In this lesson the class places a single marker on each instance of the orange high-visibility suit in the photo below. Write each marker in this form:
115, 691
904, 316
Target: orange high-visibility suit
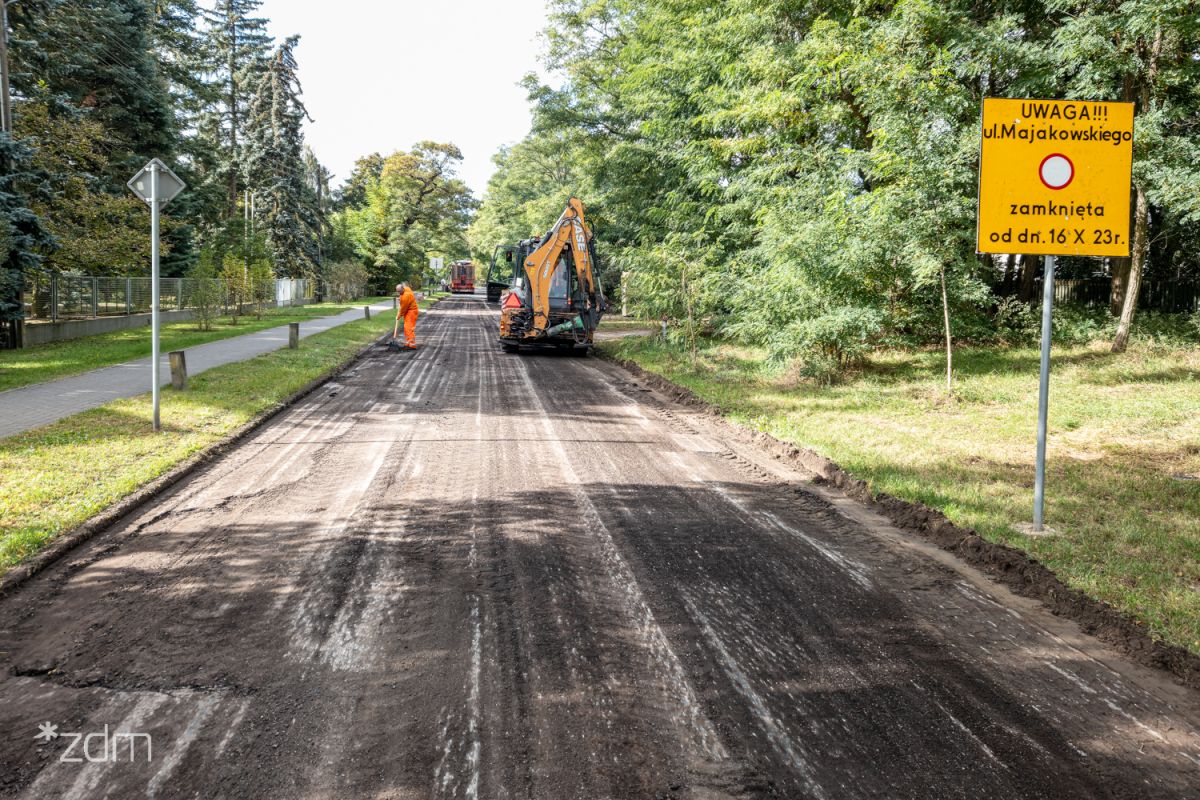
408, 312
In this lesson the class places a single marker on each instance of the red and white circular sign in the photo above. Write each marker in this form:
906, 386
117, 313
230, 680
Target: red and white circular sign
1056, 171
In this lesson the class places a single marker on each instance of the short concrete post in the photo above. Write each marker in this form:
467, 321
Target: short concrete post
395, 304
366, 312
293, 335
178, 369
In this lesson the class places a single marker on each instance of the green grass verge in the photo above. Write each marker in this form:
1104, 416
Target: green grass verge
54, 478
1121, 429
47, 362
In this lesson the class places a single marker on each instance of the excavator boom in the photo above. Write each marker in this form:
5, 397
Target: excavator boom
545, 304
571, 231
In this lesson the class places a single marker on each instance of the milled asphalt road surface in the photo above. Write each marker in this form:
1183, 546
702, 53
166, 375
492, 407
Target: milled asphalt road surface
465, 574
38, 404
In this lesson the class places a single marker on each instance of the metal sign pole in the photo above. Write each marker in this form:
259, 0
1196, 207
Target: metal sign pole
155, 366
162, 186
1039, 484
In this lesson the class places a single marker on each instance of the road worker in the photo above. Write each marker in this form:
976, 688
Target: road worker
407, 310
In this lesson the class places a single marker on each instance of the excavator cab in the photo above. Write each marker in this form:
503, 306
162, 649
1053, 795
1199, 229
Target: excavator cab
554, 297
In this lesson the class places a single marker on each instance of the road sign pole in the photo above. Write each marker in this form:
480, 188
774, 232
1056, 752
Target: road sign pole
1039, 483
156, 184
154, 365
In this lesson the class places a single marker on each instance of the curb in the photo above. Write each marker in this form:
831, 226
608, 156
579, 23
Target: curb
1014, 568
19, 574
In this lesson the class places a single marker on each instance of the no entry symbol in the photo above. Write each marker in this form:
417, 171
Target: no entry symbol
1056, 171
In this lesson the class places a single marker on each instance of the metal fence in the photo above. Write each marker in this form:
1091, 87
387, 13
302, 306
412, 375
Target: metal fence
75, 297
1170, 296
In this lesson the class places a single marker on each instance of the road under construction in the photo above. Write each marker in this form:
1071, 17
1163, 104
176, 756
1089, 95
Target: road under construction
462, 573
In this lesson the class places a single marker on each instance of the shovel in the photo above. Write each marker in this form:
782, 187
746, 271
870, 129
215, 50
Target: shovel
394, 345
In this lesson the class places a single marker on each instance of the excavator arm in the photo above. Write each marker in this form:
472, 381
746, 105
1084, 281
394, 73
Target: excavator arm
571, 233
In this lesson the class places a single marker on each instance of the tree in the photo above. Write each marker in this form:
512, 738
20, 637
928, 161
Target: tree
417, 205
1146, 53
98, 232
98, 57
353, 193
205, 296
240, 49
235, 277
275, 166
23, 239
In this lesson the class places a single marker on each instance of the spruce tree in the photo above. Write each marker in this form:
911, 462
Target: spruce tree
97, 58
240, 48
273, 155
186, 63
23, 240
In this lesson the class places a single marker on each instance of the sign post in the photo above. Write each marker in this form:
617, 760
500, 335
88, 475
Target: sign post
157, 185
1054, 178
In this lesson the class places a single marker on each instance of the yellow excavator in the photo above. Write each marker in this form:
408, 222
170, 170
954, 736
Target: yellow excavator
554, 296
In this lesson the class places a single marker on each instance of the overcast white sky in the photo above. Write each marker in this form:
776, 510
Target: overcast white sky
381, 75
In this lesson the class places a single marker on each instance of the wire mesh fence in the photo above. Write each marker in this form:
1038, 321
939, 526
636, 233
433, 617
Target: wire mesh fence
79, 296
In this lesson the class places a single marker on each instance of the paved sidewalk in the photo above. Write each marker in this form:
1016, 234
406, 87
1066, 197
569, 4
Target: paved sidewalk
42, 403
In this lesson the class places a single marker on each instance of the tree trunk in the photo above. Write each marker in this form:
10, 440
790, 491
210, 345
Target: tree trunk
1009, 274
1120, 277
233, 114
949, 345
1137, 265
1141, 215
1028, 273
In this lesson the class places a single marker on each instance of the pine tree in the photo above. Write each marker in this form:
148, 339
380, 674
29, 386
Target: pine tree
240, 49
273, 155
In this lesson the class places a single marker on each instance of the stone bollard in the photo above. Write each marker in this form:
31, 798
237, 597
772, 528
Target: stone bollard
395, 304
178, 369
366, 312
293, 335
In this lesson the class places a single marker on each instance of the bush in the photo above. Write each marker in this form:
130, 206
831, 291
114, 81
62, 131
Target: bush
262, 285
205, 298
831, 343
1021, 323
237, 283
347, 280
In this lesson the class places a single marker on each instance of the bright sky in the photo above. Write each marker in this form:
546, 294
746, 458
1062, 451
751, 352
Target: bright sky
381, 75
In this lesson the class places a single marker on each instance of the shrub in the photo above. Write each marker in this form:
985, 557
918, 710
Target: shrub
205, 298
831, 343
262, 285
347, 279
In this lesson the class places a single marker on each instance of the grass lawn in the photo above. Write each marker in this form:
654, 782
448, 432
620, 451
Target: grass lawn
54, 478
46, 362
1123, 431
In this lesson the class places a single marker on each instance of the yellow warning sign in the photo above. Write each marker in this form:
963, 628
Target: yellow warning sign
1054, 177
